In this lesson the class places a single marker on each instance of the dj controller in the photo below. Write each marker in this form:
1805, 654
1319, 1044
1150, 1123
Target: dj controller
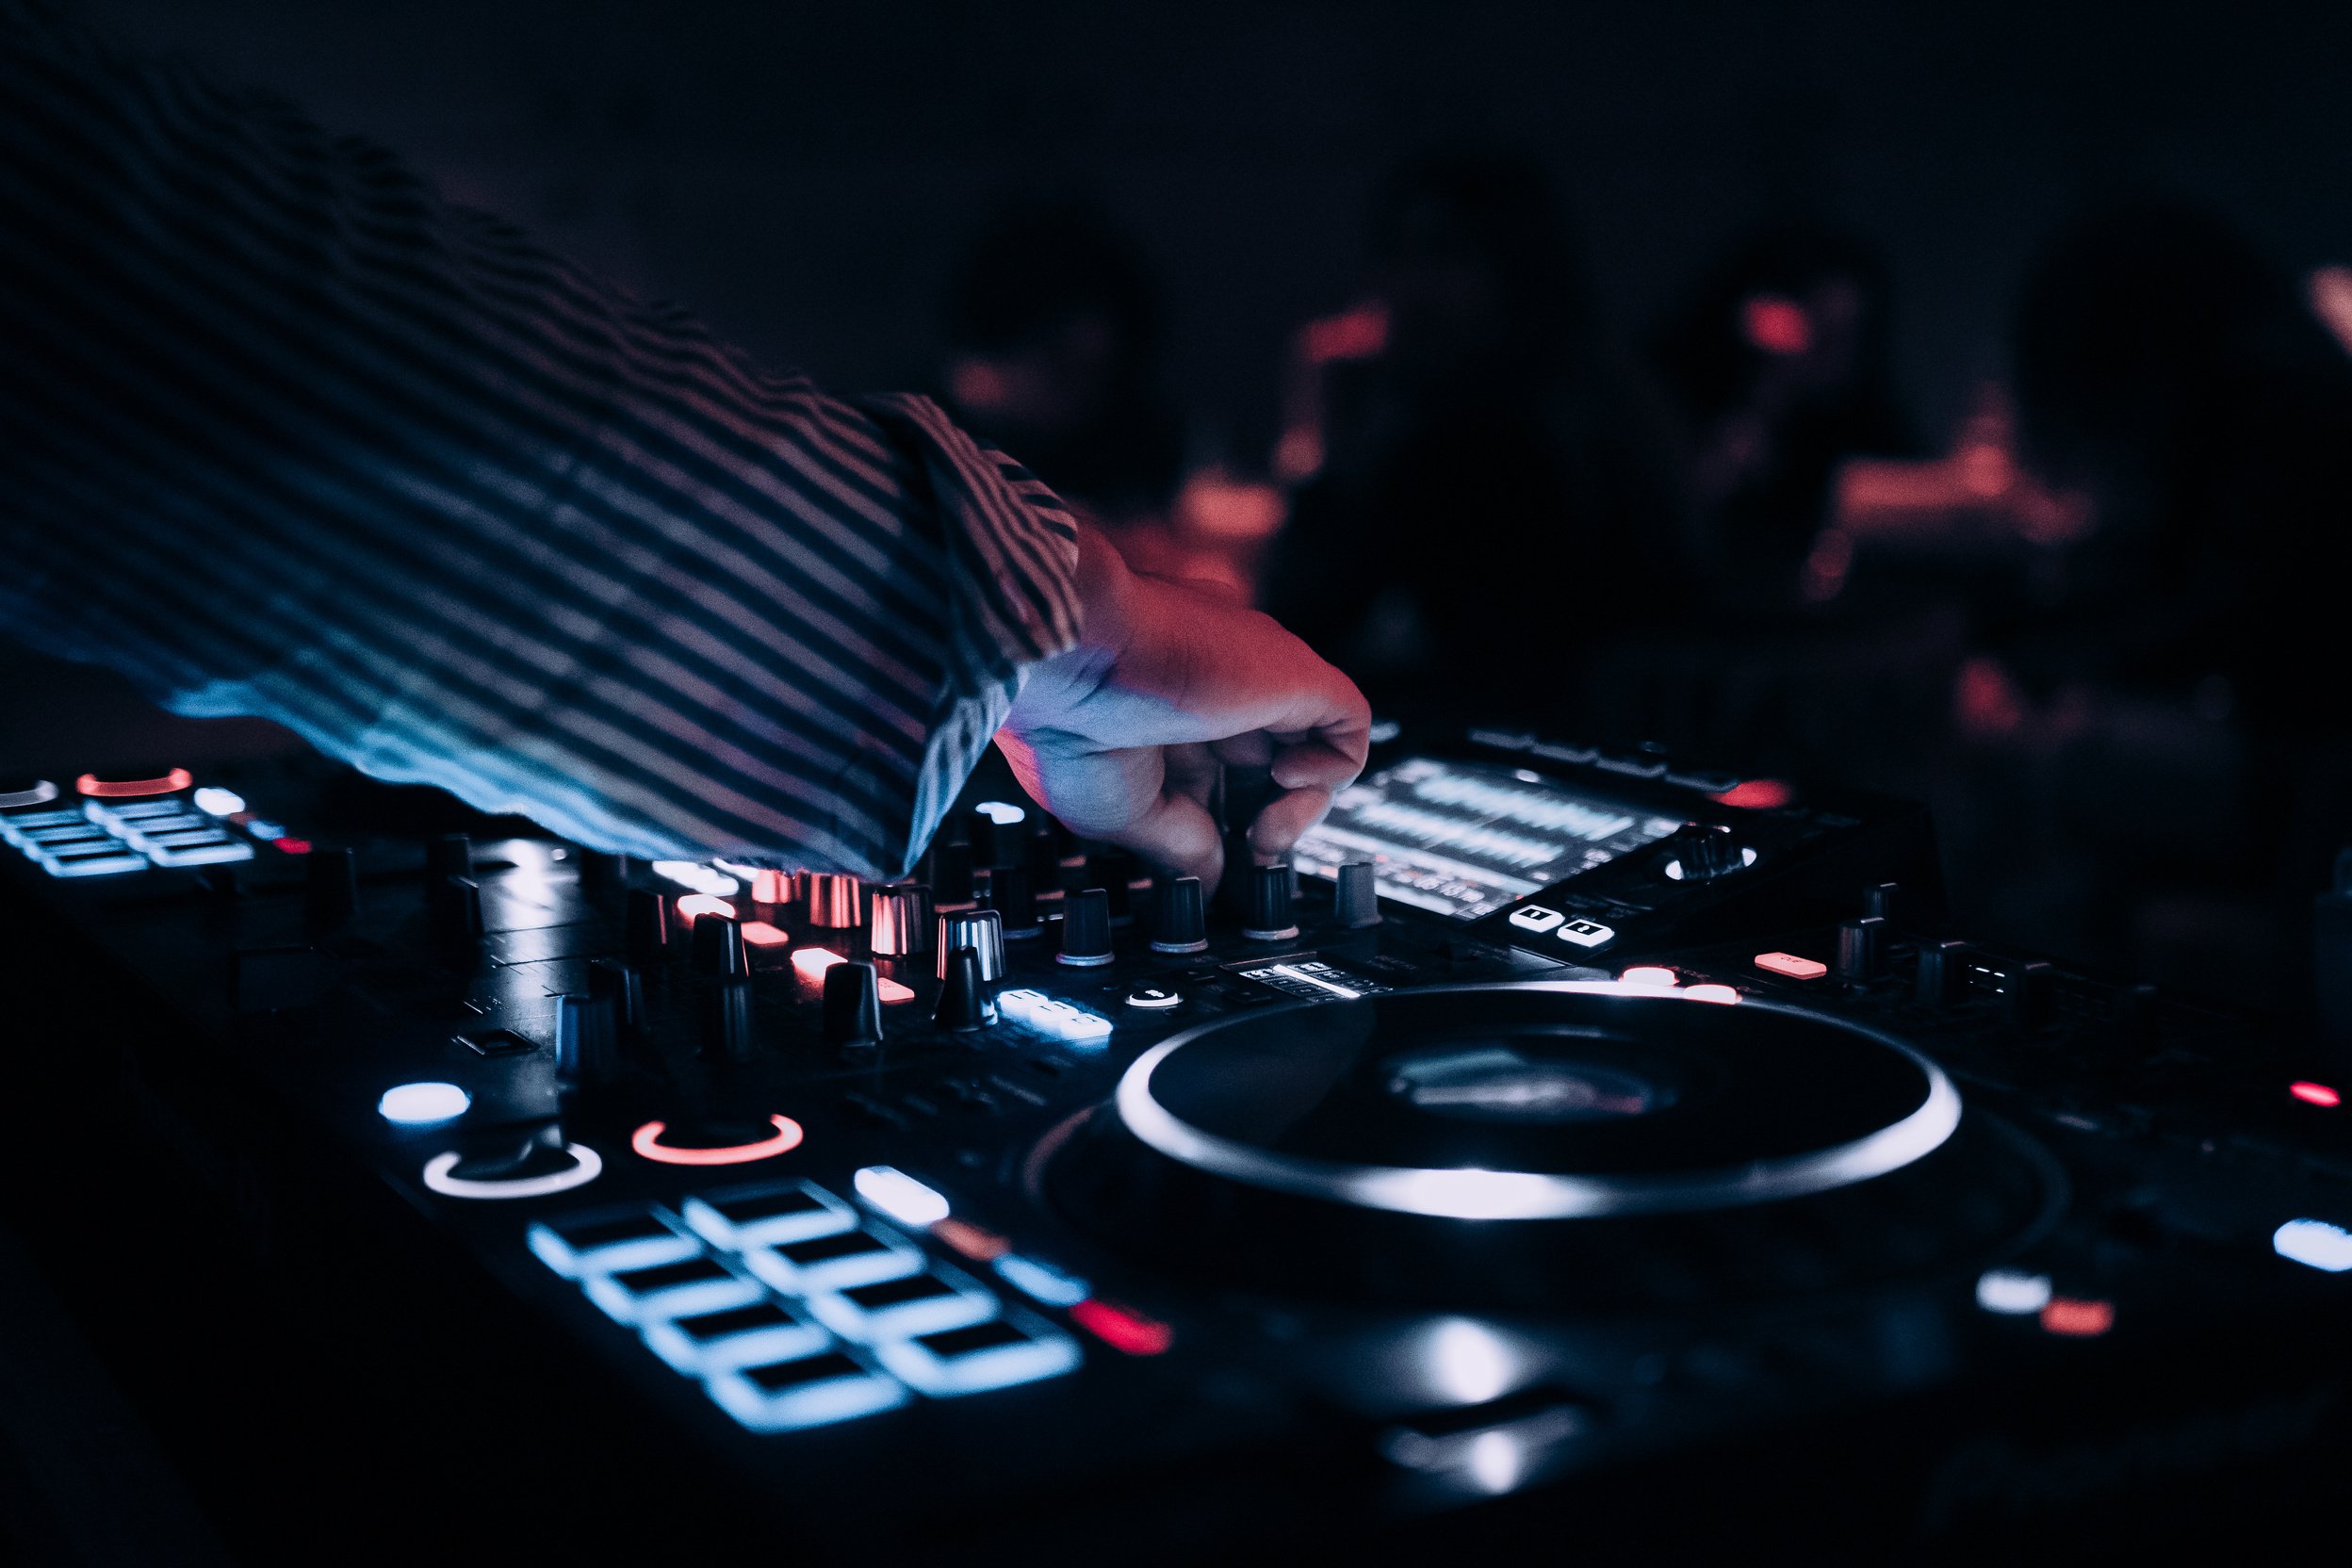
1569, 1147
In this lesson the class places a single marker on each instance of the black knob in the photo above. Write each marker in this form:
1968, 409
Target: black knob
853, 1006
718, 945
645, 927
1880, 899
1356, 902
1085, 929
1181, 926
963, 1005
1014, 897
1861, 948
451, 855
603, 877
2029, 996
454, 912
726, 1020
587, 1039
951, 876
1706, 851
1943, 979
330, 887
998, 843
1269, 905
626, 988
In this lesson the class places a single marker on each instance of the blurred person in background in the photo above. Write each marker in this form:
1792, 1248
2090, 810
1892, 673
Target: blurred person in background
1056, 331
1477, 486
1776, 368
2168, 747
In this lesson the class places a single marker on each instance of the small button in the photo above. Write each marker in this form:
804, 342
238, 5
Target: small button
1587, 933
1154, 998
1536, 917
1791, 966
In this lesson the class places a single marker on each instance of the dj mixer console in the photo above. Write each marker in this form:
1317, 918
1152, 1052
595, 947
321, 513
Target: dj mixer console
1570, 1146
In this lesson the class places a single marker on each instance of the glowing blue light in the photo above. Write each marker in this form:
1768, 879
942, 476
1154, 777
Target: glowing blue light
817, 1403
1002, 813
1042, 1281
900, 1196
214, 801
1034, 1351
2314, 1244
261, 827
422, 1104
2012, 1293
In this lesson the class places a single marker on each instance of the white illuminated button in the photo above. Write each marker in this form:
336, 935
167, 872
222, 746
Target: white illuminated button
1587, 933
2012, 1292
1153, 999
214, 801
1021, 1005
1002, 813
900, 1196
1085, 1028
2314, 1244
422, 1104
1536, 917
1650, 975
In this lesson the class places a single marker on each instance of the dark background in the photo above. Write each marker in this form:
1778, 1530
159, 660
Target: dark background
802, 173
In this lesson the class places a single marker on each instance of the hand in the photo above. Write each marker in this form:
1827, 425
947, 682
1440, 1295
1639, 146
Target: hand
1122, 737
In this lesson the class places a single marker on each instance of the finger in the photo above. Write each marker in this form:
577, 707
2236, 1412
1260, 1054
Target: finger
1283, 819
1314, 763
1176, 834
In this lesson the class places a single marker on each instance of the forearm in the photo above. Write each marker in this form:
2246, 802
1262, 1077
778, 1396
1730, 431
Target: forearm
282, 433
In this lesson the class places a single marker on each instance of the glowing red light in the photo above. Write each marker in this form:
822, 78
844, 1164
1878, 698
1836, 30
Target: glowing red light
758, 933
1722, 995
1122, 1329
1650, 975
2315, 1094
293, 846
2077, 1319
131, 788
1792, 965
891, 991
771, 887
1358, 335
1776, 324
814, 961
646, 1140
1756, 794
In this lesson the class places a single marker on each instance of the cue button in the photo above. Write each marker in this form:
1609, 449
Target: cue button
1155, 998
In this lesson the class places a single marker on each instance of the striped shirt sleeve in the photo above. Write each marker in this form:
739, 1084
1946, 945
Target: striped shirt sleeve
282, 433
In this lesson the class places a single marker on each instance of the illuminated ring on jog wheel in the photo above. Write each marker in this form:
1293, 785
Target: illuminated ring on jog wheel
587, 1165
646, 1140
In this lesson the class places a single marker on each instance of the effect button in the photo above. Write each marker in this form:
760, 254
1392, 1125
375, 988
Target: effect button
1154, 999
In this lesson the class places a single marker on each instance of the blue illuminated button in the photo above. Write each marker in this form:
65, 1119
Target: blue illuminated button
2314, 1244
1020, 1006
669, 1290
91, 860
895, 1308
2012, 1293
998, 1355
833, 1262
608, 1240
422, 1104
740, 1219
893, 1192
794, 1393
1042, 1281
701, 1342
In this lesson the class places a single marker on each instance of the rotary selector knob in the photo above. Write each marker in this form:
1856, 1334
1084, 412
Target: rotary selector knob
1085, 929
1356, 901
1181, 924
853, 1006
833, 902
1704, 851
964, 1002
979, 930
645, 927
899, 920
1270, 920
1861, 948
1014, 897
718, 948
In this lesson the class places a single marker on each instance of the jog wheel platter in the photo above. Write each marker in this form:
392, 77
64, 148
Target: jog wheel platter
1544, 1145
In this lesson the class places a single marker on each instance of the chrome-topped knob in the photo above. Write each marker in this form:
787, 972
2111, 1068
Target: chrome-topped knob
979, 930
899, 920
833, 901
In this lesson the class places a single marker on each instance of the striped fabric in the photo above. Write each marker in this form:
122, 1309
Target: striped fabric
282, 433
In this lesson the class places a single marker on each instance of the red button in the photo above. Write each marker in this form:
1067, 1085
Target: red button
1122, 1329
1791, 966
